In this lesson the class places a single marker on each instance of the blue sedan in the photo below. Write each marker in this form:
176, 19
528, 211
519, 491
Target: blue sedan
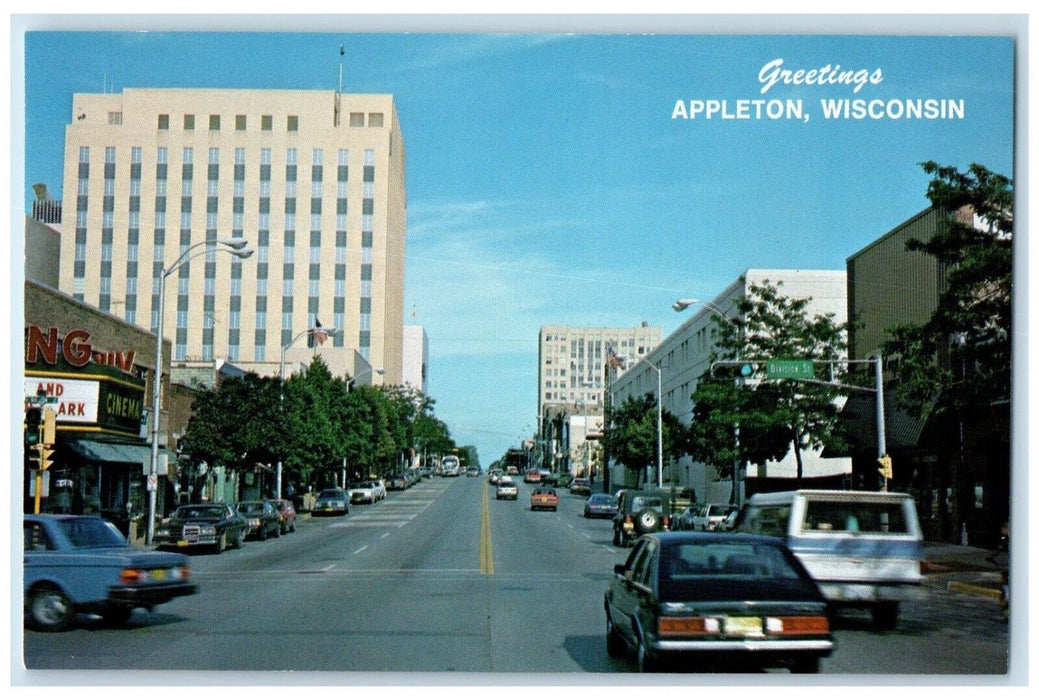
76, 563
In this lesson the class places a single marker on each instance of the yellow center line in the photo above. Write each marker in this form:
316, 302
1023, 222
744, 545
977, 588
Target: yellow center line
486, 557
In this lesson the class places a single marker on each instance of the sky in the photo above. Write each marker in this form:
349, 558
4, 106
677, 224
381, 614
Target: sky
564, 176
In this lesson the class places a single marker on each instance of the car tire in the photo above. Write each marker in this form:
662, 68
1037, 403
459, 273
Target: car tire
50, 610
292, 527
807, 665
239, 541
647, 663
647, 520
885, 615
615, 645
616, 538
277, 531
117, 614
221, 543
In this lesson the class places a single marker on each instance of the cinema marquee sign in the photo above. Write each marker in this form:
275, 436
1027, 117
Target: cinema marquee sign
90, 389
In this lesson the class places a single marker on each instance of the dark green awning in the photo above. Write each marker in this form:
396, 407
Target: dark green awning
101, 451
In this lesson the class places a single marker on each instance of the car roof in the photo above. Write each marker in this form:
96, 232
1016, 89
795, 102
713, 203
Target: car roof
683, 536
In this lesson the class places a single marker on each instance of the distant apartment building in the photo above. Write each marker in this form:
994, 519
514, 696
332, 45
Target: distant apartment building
571, 361
416, 358
313, 180
684, 356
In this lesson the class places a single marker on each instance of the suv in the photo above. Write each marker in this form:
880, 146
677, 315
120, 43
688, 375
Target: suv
639, 512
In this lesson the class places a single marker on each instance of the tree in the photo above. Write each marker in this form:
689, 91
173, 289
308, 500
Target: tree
771, 416
962, 354
632, 437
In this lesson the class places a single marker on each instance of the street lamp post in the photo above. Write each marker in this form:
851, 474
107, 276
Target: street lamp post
281, 382
660, 426
237, 247
349, 382
682, 305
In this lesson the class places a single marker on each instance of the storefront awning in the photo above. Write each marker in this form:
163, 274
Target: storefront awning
101, 451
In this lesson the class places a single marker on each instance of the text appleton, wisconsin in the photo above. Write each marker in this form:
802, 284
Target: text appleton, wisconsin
851, 107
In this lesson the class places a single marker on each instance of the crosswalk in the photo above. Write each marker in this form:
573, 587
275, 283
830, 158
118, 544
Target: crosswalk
396, 511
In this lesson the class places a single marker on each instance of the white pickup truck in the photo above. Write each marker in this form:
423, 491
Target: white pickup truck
863, 548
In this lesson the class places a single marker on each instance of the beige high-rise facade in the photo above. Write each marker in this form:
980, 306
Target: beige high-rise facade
571, 361
312, 180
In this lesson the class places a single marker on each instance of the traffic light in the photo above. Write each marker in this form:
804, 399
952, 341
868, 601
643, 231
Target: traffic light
734, 369
33, 418
49, 426
41, 456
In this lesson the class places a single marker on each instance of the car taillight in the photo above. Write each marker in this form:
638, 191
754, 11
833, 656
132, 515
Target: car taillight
132, 576
688, 625
799, 624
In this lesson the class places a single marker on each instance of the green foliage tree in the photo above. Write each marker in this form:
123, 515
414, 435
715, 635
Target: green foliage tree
962, 355
771, 416
632, 437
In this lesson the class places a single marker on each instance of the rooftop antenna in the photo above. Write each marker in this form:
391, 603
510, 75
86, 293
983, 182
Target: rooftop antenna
339, 90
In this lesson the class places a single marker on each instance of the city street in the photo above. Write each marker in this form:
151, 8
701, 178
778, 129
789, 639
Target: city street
444, 578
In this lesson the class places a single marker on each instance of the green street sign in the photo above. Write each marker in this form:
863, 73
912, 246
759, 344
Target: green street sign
790, 369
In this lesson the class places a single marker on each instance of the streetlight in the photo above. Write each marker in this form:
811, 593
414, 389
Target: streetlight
660, 427
237, 247
682, 305
349, 382
281, 379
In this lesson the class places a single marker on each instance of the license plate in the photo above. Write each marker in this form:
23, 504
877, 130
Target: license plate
745, 626
159, 574
183, 543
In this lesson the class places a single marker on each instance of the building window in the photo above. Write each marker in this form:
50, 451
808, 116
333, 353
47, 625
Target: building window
164, 122
239, 122
356, 118
292, 123
375, 119
214, 122
189, 122
266, 122
115, 118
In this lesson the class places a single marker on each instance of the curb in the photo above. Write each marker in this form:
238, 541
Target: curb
971, 589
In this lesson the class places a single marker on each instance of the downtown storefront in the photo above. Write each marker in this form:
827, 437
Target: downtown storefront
92, 371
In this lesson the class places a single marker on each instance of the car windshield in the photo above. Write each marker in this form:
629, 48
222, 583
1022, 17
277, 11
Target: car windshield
856, 516
250, 507
640, 502
601, 499
730, 571
185, 512
331, 493
87, 533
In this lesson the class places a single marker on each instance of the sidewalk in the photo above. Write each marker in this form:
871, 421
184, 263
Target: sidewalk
961, 568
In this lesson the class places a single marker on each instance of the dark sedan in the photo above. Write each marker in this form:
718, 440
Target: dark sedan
263, 519
217, 525
716, 601
600, 505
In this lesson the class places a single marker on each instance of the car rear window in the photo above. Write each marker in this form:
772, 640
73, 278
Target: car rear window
858, 516
718, 571
640, 502
91, 532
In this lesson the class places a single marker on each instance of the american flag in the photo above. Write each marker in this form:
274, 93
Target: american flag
612, 360
317, 333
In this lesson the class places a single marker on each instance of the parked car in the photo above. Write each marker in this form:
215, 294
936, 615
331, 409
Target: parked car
396, 482
703, 518
544, 498
332, 501
262, 517
506, 489
581, 486
864, 548
288, 514
638, 513
564, 479
600, 505
216, 525
78, 563
367, 492
718, 601
533, 476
